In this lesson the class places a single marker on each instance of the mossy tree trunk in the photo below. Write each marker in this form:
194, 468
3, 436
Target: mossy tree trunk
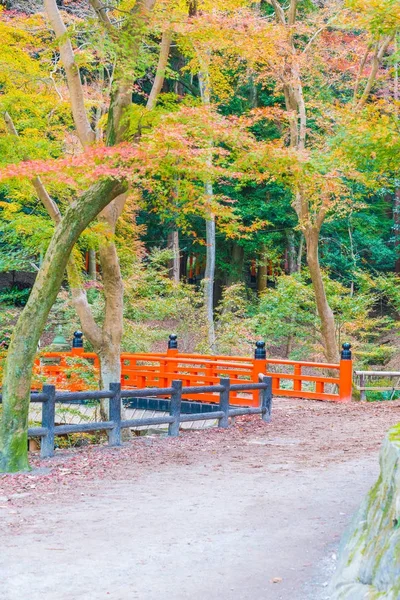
325, 313
22, 349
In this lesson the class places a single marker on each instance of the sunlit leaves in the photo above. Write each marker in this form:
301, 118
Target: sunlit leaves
380, 17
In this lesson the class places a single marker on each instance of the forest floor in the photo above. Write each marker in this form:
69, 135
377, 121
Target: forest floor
254, 512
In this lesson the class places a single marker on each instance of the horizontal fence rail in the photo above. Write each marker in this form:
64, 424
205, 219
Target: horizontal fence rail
364, 379
146, 371
49, 397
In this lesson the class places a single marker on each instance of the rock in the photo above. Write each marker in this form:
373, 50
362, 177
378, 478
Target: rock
369, 556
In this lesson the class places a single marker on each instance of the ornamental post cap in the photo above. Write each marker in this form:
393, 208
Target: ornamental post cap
173, 341
77, 341
260, 352
346, 351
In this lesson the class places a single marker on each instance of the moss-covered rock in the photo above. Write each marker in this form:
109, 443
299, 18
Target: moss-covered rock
369, 557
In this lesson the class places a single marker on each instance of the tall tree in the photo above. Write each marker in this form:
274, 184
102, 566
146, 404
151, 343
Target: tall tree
21, 353
105, 339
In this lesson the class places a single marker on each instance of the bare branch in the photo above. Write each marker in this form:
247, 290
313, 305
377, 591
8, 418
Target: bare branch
279, 12
41, 191
376, 63
101, 12
10, 124
160, 72
121, 99
85, 132
360, 70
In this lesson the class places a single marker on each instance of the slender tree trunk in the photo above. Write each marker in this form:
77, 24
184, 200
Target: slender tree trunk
289, 345
92, 271
396, 228
175, 263
83, 127
21, 353
328, 329
160, 72
235, 274
205, 92
209, 276
291, 252
262, 270
300, 253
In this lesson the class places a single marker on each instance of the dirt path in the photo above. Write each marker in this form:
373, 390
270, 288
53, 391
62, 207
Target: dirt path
211, 515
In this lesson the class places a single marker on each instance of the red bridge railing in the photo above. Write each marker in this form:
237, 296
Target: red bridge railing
299, 379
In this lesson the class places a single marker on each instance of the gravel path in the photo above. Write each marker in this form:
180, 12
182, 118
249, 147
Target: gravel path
250, 513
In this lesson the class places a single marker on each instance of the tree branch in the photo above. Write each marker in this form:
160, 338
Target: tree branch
79, 298
113, 211
360, 70
279, 12
84, 130
121, 99
101, 12
376, 63
160, 72
40, 189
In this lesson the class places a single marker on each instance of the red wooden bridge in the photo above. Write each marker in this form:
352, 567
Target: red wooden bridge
299, 379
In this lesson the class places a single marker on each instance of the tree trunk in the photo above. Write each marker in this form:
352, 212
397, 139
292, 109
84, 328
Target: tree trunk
396, 228
209, 275
175, 263
110, 372
300, 254
92, 272
262, 271
106, 340
325, 313
235, 274
291, 252
161, 67
83, 127
21, 353
110, 350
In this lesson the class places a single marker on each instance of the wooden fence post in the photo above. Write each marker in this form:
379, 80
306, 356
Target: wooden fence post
363, 393
48, 418
224, 402
114, 434
175, 407
266, 399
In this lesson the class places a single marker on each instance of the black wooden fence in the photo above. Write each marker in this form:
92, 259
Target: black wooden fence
49, 397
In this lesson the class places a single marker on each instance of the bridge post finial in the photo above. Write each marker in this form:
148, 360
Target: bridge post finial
77, 341
260, 352
346, 351
173, 342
